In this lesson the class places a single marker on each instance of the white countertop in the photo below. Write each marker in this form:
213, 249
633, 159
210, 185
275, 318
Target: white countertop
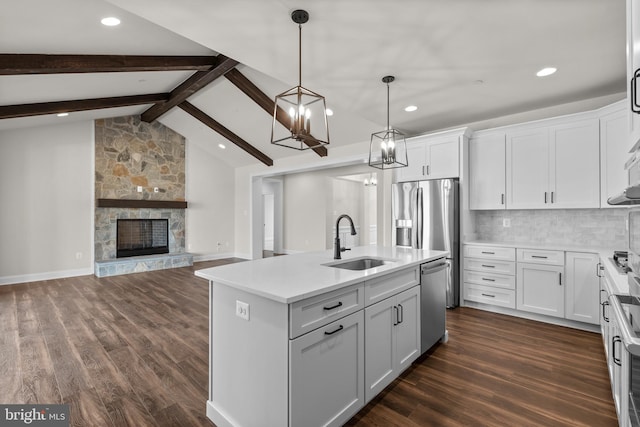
295, 277
618, 280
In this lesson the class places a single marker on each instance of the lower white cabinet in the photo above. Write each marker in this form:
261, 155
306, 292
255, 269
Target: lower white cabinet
539, 289
392, 339
582, 287
326, 382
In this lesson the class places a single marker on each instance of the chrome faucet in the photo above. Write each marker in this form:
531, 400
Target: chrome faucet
336, 247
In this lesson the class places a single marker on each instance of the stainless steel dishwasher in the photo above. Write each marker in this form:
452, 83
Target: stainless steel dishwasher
434, 276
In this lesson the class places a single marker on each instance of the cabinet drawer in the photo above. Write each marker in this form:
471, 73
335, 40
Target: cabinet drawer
386, 286
490, 252
490, 266
490, 279
312, 313
540, 256
490, 295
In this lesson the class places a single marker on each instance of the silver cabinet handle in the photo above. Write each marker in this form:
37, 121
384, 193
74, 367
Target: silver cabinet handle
560, 279
545, 197
488, 295
488, 266
488, 280
396, 320
427, 169
488, 253
615, 340
502, 199
552, 197
423, 170
538, 256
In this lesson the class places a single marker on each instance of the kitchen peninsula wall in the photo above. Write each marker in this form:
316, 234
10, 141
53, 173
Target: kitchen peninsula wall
602, 228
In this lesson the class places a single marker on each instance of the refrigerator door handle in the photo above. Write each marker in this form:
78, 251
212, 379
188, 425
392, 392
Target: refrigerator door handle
419, 220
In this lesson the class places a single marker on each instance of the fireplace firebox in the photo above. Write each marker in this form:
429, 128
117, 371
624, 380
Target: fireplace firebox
142, 237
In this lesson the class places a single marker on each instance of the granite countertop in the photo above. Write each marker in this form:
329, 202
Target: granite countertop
292, 278
618, 280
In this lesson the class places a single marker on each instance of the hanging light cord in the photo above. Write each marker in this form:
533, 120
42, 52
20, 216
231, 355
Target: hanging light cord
388, 128
299, 54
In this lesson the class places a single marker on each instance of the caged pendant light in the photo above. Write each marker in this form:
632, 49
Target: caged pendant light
303, 110
388, 148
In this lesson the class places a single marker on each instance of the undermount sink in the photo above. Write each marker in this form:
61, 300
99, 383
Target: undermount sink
358, 263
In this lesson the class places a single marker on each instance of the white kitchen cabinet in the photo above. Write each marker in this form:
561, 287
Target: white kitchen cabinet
633, 64
575, 164
487, 171
489, 275
582, 287
613, 151
554, 167
540, 288
527, 166
392, 339
431, 158
326, 382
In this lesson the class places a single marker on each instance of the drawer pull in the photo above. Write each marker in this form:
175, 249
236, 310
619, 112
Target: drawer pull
488, 280
604, 314
333, 332
401, 311
488, 253
538, 256
339, 304
488, 295
614, 341
488, 266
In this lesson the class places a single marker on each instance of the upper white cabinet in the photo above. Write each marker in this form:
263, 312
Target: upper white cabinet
487, 171
633, 63
613, 151
556, 166
432, 157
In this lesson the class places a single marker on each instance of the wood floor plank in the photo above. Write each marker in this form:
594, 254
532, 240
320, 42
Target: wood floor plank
133, 350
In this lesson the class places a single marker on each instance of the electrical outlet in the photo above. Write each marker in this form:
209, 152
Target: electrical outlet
156, 189
139, 188
242, 310
78, 255
506, 222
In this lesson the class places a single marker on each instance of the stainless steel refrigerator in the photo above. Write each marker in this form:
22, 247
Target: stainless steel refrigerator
426, 215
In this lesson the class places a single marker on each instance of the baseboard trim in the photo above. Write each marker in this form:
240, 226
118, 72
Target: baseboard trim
214, 256
50, 275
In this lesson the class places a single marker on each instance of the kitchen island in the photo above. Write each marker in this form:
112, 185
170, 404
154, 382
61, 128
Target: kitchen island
288, 340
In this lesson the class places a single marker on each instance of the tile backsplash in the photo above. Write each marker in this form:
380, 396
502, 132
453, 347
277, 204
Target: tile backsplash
594, 228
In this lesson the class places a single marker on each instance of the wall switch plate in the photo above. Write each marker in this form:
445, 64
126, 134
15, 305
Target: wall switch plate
139, 188
242, 310
156, 189
506, 222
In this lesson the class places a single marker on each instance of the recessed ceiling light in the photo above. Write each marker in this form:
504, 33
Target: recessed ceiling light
329, 112
110, 21
62, 114
410, 108
222, 146
546, 72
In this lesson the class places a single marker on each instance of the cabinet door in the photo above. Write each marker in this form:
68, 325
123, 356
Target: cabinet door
408, 328
540, 289
633, 63
487, 170
416, 169
326, 380
574, 161
582, 287
528, 169
380, 320
613, 154
442, 158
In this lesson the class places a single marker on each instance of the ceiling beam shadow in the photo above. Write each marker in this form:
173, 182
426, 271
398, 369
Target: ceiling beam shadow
190, 86
16, 64
41, 108
216, 126
240, 81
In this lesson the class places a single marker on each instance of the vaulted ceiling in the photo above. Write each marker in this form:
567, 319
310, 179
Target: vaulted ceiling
459, 61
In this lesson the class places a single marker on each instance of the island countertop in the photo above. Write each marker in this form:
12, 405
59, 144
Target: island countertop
292, 278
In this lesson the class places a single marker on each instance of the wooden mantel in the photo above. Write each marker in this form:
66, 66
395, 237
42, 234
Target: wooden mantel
141, 204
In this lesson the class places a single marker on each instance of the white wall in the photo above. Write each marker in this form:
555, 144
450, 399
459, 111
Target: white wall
46, 215
305, 207
211, 196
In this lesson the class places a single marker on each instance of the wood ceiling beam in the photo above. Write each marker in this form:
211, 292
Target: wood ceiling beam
41, 108
190, 86
259, 97
213, 124
16, 64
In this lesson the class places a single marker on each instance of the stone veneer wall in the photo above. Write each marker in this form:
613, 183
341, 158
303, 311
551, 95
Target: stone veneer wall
131, 153
593, 228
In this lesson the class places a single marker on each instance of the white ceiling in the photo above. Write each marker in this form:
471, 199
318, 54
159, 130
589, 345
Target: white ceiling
437, 49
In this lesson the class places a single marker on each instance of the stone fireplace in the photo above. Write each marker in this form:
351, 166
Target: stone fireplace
139, 173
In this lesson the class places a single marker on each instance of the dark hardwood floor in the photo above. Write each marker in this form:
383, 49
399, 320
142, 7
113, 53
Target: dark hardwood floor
132, 350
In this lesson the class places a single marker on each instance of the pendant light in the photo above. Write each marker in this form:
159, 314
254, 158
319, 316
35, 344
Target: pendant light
388, 148
302, 110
